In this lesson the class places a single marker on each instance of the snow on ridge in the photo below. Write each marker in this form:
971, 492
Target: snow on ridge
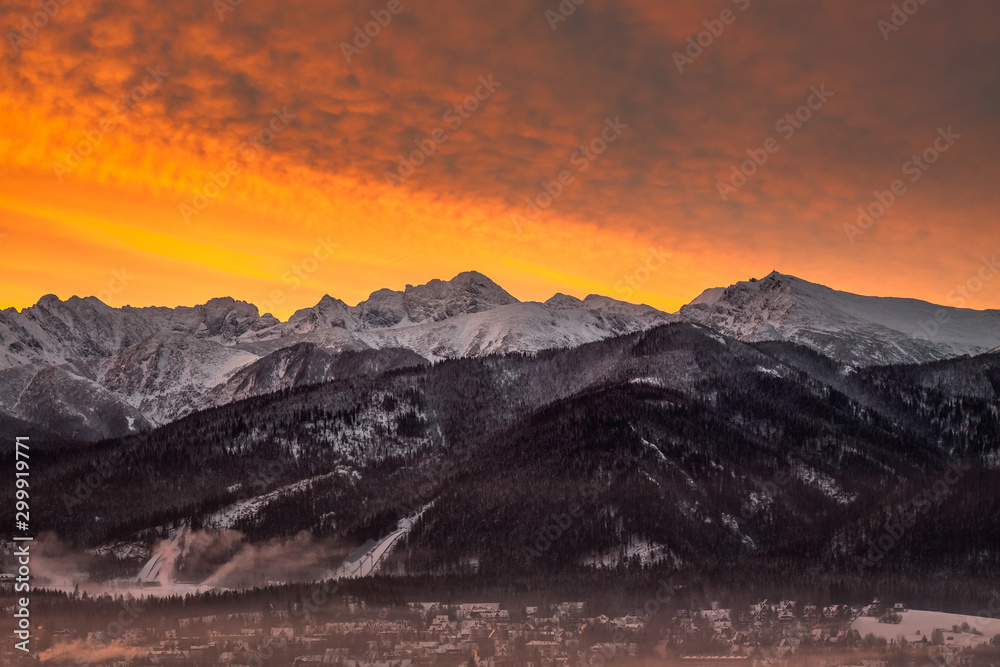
228, 516
709, 296
520, 327
648, 552
861, 330
166, 363
824, 483
656, 449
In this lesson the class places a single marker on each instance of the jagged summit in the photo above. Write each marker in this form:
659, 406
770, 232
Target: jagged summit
157, 364
152, 365
860, 330
466, 293
564, 302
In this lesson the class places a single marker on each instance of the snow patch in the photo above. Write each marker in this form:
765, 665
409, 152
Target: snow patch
824, 483
926, 622
648, 553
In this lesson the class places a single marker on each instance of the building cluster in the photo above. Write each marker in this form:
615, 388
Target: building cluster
767, 634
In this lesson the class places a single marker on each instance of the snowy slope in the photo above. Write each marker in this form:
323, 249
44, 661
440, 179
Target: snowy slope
154, 365
917, 625
521, 327
859, 330
54, 331
438, 300
158, 364
64, 402
467, 316
165, 375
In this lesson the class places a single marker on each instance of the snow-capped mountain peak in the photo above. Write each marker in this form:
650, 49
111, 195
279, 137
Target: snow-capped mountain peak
328, 313
152, 365
467, 293
564, 302
163, 363
861, 330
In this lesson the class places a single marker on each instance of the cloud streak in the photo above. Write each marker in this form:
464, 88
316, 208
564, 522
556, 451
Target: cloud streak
657, 188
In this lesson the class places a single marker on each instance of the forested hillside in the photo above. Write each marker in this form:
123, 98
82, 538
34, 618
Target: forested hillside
673, 446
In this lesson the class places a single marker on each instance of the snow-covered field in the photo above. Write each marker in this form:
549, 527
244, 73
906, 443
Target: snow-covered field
919, 624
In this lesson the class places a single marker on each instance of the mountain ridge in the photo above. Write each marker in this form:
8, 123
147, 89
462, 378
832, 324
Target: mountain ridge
149, 366
854, 329
156, 364
700, 447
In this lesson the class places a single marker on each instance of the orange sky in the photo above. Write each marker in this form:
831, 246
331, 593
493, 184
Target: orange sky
319, 188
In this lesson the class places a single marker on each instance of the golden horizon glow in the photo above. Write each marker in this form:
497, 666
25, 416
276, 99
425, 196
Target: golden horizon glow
206, 83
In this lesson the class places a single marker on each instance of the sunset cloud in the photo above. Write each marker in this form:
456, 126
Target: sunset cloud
99, 157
